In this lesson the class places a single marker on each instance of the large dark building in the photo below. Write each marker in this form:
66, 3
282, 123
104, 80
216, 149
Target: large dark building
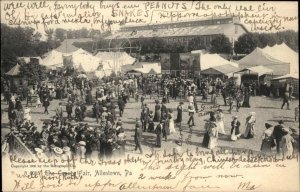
185, 31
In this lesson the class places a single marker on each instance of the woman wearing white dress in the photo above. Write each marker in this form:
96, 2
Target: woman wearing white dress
220, 121
27, 116
171, 122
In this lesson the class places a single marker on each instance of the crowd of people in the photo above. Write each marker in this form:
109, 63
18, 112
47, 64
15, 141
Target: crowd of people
69, 136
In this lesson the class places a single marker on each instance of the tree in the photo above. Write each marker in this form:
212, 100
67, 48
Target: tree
60, 34
221, 44
33, 72
246, 43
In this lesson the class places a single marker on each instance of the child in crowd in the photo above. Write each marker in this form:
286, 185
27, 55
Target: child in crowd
38, 102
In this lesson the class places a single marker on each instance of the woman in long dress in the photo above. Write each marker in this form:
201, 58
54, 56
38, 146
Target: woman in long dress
220, 121
179, 113
209, 123
27, 116
171, 122
286, 143
267, 139
157, 113
250, 126
213, 136
235, 129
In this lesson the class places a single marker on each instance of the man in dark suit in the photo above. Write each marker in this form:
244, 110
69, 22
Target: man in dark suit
278, 134
164, 110
158, 132
69, 109
121, 105
46, 104
144, 116
97, 111
138, 137
35, 134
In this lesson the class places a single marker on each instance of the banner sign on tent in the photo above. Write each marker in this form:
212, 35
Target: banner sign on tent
68, 61
195, 62
174, 59
165, 61
185, 63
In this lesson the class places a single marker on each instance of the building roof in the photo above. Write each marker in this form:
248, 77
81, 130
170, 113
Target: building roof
68, 47
14, 71
174, 32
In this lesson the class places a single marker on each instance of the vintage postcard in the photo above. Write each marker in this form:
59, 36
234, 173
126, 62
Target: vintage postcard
149, 96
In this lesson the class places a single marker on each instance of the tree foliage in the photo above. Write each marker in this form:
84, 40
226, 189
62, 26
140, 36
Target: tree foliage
248, 42
19, 42
221, 44
33, 72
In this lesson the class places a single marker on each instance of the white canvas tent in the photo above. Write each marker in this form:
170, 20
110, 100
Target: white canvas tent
259, 57
283, 53
86, 60
257, 70
81, 60
53, 59
288, 76
145, 68
213, 60
115, 59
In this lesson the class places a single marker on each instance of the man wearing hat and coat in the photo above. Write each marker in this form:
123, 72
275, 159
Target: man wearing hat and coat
59, 112
69, 109
144, 116
138, 137
97, 111
158, 132
278, 134
121, 105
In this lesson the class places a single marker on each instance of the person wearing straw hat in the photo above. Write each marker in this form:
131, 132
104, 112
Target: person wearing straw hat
57, 153
250, 125
286, 143
67, 154
235, 128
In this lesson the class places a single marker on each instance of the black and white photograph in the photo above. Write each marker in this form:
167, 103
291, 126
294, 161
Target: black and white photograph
149, 95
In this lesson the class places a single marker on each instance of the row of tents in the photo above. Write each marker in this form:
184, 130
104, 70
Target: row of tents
277, 60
